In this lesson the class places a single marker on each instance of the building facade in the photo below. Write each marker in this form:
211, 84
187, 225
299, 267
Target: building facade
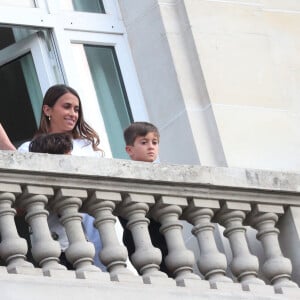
218, 77
224, 77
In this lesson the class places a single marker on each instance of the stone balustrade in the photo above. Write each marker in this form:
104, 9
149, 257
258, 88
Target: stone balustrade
210, 199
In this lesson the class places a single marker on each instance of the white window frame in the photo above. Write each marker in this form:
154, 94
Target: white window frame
68, 28
125, 61
73, 67
35, 45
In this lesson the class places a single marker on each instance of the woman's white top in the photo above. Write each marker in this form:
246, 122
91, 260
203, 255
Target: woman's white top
81, 147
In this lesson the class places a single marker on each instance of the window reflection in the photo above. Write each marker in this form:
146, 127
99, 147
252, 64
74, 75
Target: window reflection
93, 6
111, 94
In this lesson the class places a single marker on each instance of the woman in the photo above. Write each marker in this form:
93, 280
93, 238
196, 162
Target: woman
62, 112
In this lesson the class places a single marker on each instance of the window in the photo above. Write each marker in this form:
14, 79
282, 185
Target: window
25, 74
17, 91
93, 6
111, 94
89, 6
44, 45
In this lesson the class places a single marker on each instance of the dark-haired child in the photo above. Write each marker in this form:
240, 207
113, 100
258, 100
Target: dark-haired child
52, 143
142, 144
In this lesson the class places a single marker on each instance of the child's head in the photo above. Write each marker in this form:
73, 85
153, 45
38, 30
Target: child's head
142, 139
52, 143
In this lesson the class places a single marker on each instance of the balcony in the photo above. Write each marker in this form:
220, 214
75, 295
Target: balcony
237, 201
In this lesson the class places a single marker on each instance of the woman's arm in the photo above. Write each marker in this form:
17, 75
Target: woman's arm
5, 143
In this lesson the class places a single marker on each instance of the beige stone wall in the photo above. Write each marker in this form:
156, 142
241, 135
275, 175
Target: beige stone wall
220, 79
249, 53
172, 82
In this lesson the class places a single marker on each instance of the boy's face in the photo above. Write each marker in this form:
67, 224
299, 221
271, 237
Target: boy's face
145, 148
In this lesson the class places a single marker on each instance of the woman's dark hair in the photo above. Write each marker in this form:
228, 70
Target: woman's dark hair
81, 130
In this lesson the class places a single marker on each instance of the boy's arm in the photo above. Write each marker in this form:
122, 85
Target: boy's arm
5, 143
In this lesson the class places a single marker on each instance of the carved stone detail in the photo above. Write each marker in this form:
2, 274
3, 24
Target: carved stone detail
80, 252
212, 263
13, 248
244, 265
277, 268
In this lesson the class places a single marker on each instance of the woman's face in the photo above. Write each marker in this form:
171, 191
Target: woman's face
63, 114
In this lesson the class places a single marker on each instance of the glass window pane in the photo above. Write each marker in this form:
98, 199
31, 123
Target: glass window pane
6, 37
21, 97
111, 95
93, 6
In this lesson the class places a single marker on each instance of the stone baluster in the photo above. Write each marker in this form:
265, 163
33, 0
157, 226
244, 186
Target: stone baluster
146, 258
244, 265
113, 255
276, 267
45, 250
13, 248
179, 260
212, 263
80, 252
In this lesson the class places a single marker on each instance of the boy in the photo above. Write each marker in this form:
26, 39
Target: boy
142, 140
62, 143
52, 143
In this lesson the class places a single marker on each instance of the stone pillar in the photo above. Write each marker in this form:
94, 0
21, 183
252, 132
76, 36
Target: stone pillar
276, 267
289, 238
113, 255
13, 249
80, 252
212, 264
244, 265
45, 250
146, 258
179, 260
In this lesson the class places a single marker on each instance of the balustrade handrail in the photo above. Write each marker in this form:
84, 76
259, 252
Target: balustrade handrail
235, 184
143, 193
